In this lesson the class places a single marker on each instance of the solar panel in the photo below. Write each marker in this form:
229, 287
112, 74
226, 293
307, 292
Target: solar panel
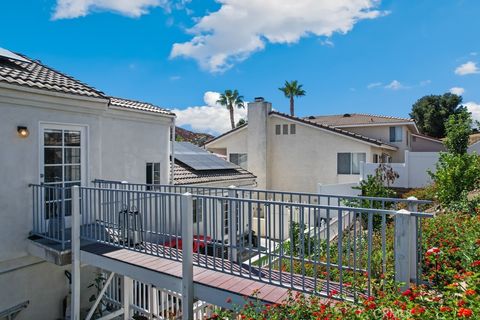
10, 55
200, 159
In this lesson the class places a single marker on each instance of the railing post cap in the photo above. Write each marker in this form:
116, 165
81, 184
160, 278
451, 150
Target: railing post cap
232, 187
187, 194
124, 182
412, 198
403, 211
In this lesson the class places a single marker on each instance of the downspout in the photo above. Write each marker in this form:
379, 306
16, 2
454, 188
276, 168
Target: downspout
172, 152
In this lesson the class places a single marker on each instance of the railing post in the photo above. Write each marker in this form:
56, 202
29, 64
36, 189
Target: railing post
187, 256
75, 307
413, 207
127, 293
233, 224
403, 221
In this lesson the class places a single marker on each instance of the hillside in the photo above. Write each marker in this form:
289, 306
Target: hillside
190, 136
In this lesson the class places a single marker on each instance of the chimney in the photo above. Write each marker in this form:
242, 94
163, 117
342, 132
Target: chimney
258, 112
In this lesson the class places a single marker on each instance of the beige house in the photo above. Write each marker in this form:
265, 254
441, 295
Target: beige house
291, 153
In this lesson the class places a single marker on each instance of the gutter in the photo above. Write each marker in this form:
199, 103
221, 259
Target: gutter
172, 153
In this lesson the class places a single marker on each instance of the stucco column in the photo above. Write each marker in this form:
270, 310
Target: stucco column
258, 112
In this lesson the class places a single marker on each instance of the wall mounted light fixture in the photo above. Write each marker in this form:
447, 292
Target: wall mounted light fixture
22, 132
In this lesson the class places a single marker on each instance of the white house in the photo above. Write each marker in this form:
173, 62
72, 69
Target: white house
59, 131
291, 153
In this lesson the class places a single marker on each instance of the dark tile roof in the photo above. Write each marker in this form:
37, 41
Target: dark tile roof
352, 119
186, 175
138, 105
39, 76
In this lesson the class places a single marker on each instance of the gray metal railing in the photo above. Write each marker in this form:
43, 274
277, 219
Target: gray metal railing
51, 206
320, 249
297, 243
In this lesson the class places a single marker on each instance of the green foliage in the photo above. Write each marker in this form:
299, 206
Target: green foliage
457, 172
459, 129
231, 99
455, 175
430, 112
292, 90
241, 122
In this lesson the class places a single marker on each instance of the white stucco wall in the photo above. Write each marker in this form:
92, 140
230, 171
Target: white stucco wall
119, 143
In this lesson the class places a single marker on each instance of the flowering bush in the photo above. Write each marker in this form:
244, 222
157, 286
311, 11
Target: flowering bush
451, 266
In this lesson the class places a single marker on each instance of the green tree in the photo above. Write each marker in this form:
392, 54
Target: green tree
231, 99
292, 90
459, 129
430, 112
241, 122
457, 172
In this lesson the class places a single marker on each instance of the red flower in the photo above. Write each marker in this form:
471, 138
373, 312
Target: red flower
417, 310
433, 250
229, 300
445, 309
470, 292
476, 263
464, 313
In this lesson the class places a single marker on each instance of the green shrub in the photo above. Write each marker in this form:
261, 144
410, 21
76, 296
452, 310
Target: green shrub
456, 175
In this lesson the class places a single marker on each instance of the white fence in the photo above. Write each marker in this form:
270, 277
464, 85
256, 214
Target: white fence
412, 174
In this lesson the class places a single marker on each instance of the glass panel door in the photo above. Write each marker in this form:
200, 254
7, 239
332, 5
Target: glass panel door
61, 168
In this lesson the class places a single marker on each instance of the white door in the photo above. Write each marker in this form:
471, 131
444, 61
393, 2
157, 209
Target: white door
62, 164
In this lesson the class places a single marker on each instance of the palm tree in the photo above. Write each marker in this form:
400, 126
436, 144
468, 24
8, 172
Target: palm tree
231, 99
291, 90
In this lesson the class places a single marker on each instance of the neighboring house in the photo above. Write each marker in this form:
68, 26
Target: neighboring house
59, 131
291, 153
223, 174
422, 143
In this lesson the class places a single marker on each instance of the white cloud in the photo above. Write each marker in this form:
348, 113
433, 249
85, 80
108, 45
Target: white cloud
242, 27
457, 90
395, 85
469, 67
374, 85
211, 118
68, 9
474, 108
425, 83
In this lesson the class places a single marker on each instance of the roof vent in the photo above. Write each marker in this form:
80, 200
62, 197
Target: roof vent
259, 99
347, 115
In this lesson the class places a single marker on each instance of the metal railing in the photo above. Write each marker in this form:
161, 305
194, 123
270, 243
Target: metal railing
321, 249
51, 207
292, 240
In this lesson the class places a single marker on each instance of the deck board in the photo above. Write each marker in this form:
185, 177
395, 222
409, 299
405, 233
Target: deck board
264, 285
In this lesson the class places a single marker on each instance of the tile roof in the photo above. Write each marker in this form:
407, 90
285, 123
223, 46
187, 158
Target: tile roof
186, 175
334, 129
138, 105
318, 125
353, 119
39, 76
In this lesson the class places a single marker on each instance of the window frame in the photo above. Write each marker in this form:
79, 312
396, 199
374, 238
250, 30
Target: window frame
293, 128
360, 156
278, 129
397, 135
151, 168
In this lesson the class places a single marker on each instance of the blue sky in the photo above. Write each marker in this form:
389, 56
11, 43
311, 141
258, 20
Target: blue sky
376, 57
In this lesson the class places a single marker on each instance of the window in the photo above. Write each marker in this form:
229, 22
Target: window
293, 128
153, 173
375, 158
239, 159
285, 129
349, 163
396, 134
278, 129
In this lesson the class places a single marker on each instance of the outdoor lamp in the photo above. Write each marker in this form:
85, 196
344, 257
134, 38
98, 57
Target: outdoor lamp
22, 132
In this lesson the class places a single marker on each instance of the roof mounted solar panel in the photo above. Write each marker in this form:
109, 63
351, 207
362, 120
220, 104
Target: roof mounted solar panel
200, 159
10, 55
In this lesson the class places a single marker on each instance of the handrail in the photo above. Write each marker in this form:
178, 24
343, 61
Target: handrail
266, 191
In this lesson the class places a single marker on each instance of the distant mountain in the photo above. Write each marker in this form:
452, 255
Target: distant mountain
190, 136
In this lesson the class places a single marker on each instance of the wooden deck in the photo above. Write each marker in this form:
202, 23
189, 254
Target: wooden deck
234, 280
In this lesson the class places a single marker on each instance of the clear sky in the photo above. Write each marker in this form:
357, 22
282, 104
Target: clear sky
363, 56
